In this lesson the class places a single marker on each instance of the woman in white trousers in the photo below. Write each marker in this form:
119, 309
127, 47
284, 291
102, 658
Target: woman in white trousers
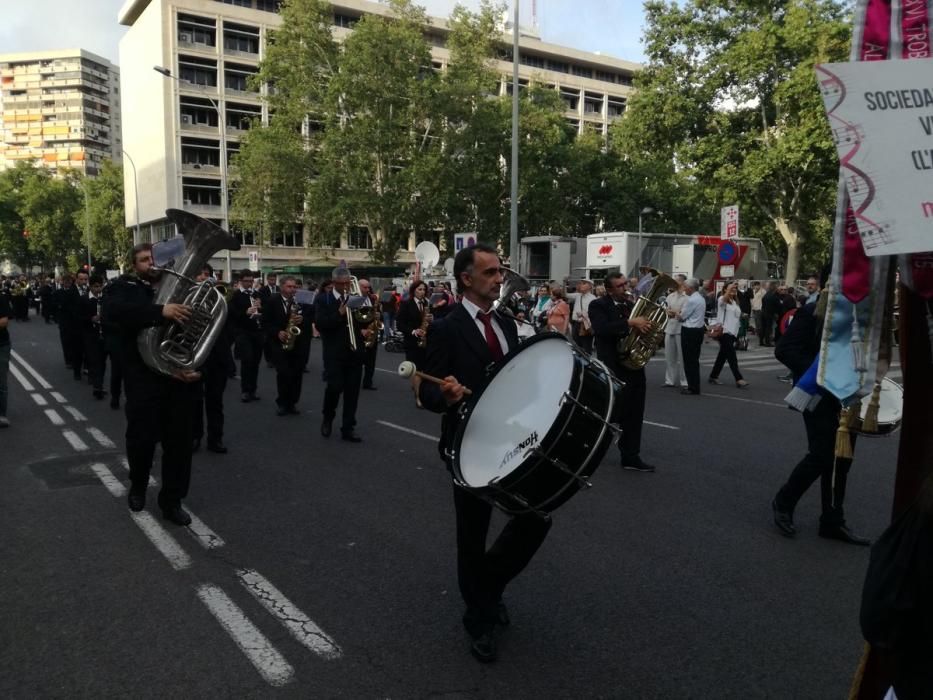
673, 355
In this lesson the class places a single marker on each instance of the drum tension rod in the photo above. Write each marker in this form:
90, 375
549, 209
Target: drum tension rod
589, 411
584, 484
514, 497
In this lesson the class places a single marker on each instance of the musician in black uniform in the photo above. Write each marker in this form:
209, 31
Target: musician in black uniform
410, 319
369, 354
46, 291
209, 397
611, 321
67, 300
113, 351
245, 319
158, 407
92, 337
460, 347
343, 366
278, 313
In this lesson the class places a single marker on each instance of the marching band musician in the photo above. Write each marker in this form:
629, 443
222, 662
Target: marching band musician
69, 327
610, 316
343, 366
210, 391
158, 408
460, 347
92, 336
410, 320
369, 354
245, 315
279, 314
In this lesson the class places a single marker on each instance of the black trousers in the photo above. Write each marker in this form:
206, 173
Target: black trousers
289, 371
74, 339
343, 378
249, 350
95, 358
483, 574
821, 423
113, 351
210, 401
584, 341
369, 364
631, 412
691, 343
159, 411
766, 332
726, 354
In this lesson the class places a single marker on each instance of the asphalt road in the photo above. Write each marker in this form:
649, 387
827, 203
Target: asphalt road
323, 569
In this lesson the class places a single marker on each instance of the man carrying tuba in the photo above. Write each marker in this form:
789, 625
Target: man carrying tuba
158, 407
610, 316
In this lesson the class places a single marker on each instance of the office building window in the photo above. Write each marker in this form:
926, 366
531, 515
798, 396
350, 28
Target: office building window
345, 21
196, 112
236, 76
292, 237
243, 235
200, 192
241, 38
241, 116
268, 5
582, 71
528, 60
194, 30
197, 71
238, 3
359, 237
200, 153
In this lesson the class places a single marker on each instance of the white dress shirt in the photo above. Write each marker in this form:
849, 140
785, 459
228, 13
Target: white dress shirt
728, 316
675, 303
693, 314
473, 310
581, 305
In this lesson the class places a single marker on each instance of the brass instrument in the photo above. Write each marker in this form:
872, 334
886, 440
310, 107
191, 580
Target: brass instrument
637, 348
292, 327
425, 322
375, 325
512, 284
356, 311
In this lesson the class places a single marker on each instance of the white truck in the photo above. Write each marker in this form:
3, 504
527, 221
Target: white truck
705, 257
551, 258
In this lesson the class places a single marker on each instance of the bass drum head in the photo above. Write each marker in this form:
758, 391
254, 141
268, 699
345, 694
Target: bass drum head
890, 408
515, 411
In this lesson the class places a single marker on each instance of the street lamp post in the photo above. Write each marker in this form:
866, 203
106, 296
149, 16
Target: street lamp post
223, 159
644, 212
136, 238
87, 224
513, 217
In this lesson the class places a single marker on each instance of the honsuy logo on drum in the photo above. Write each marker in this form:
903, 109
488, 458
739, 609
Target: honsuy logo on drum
529, 441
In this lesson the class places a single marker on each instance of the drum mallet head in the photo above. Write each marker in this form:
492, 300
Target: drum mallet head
407, 369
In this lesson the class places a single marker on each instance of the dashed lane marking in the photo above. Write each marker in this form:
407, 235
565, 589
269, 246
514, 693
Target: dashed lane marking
75, 413
54, 416
109, 480
271, 665
38, 377
102, 439
206, 537
661, 425
162, 540
39, 399
26, 384
58, 397
407, 430
299, 624
76, 442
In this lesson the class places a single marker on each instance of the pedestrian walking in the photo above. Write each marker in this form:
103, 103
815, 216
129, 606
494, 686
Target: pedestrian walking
726, 329
692, 324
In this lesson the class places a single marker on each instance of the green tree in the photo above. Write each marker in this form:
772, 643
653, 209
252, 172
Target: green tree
106, 216
14, 241
727, 111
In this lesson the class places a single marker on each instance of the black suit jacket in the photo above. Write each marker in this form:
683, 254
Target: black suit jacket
240, 302
274, 319
335, 337
407, 320
456, 347
66, 304
799, 346
610, 324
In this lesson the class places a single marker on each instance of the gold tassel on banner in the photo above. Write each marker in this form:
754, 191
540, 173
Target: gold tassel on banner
843, 442
870, 422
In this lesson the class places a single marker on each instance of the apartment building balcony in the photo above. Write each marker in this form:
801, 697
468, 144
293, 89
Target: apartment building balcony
197, 46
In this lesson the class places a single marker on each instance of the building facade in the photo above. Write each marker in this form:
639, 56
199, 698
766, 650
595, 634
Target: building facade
61, 109
181, 130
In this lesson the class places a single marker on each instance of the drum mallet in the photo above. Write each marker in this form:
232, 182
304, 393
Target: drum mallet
408, 370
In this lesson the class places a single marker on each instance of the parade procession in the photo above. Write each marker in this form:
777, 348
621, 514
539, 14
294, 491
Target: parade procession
355, 351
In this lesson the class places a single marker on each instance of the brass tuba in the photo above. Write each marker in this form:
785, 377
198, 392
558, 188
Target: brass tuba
185, 346
636, 349
512, 284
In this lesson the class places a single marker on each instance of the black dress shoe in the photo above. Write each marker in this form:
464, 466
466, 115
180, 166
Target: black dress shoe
636, 465
115, 404
326, 427
196, 445
843, 534
177, 515
690, 392
783, 520
351, 437
282, 411
136, 500
483, 647
99, 394
294, 411
369, 387
254, 397
245, 398
217, 448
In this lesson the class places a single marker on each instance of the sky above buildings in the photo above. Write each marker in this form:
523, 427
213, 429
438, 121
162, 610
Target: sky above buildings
612, 27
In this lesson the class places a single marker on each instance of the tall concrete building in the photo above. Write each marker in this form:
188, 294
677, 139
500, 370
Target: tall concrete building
60, 108
175, 129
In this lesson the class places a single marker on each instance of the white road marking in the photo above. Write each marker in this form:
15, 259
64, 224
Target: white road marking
26, 384
271, 665
163, 541
39, 399
102, 439
54, 416
77, 443
38, 377
58, 397
109, 480
739, 398
75, 413
407, 430
152, 481
661, 425
206, 537
299, 624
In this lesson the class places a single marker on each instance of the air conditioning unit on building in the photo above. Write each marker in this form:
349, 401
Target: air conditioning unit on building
184, 37
185, 118
187, 202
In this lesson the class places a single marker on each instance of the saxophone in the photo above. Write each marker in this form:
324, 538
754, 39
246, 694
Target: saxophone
637, 348
292, 328
186, 346
375, 325
425, 322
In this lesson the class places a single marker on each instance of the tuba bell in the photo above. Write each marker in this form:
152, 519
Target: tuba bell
512, 284
636, 349
185, 346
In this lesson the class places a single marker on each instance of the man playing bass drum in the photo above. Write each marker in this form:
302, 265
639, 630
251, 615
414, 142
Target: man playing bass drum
460, 347
610, 317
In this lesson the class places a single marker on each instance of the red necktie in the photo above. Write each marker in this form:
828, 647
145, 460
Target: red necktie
492, 340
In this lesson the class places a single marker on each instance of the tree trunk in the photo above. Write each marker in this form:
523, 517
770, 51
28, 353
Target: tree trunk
792, 237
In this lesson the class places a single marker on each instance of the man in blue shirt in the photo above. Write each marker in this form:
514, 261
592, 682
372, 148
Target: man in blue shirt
693, 321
